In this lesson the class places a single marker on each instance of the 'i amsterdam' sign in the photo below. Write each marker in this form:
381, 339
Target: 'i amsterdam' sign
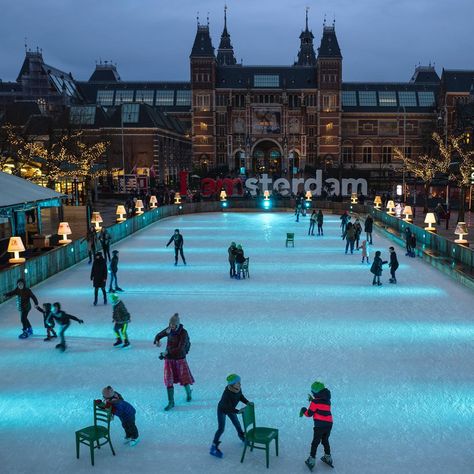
283, 186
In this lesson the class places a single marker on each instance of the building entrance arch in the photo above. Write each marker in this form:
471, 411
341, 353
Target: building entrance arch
267, 157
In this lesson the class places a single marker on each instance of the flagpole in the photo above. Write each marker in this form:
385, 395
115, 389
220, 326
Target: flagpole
123, 149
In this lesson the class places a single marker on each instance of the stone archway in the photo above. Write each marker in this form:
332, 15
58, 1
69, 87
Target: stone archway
267, 157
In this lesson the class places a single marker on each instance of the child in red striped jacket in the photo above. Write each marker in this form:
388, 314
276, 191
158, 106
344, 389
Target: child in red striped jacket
320, 410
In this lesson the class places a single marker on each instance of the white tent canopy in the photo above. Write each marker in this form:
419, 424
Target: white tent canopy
15, 191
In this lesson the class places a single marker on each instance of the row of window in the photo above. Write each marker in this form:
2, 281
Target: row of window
151, 97
347, 153
388, 98
85, 115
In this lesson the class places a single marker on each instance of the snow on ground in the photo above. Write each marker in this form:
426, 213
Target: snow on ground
398, 359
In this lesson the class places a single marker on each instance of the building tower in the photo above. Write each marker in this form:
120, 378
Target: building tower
225, 52
306, 55
329, 72
203, 79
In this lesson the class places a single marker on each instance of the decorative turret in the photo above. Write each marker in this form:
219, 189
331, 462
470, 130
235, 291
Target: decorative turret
225, 53
329, 47
306, 54
202, 47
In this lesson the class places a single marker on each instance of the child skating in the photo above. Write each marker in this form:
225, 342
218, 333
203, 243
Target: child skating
123, 410
227, 407
365, 251
320, 410
48, 321
64, 321
121, 319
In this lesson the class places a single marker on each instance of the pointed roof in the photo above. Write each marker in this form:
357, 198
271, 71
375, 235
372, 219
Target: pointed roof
202, 47
225, 53
329, 47
105, 72
306, 54
425, 74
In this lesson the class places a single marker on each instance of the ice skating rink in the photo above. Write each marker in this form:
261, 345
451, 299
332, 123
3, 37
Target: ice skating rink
397, 358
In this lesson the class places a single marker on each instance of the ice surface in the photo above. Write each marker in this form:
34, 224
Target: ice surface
398, 359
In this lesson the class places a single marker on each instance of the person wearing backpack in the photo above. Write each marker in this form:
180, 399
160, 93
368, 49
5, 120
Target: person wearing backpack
176, 369
121, 320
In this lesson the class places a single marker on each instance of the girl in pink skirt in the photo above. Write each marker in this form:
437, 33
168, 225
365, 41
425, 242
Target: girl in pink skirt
176, 368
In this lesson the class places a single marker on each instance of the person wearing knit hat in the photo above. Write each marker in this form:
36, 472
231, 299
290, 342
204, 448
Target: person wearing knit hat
121, 319
320, 410
231, 397
176, 368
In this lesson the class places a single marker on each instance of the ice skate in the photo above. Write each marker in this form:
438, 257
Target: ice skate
215, 451
30, 331
170, 399
23, 335
310, 462
118, 342
126, 343
47, 338
126, 440
188, 393
118, 289
133, 442
327, 459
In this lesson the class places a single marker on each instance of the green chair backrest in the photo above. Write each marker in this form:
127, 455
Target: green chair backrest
290, 236
102, 416
248, 417
246, 263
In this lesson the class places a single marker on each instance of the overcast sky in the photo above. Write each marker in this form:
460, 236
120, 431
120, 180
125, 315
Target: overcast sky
381, 40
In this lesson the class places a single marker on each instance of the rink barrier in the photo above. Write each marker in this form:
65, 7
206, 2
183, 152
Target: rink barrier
447, 256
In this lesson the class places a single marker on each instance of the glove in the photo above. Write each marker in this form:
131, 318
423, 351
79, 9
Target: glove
81, 321
310, 397
161, 356
302, 411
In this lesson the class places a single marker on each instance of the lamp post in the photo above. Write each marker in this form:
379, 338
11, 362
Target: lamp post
404, 147
440, 119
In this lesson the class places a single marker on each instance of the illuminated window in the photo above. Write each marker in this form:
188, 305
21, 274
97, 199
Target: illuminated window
164, 98
203, 126
329, 126
130, 113
183, 97
267, 80
203, 101
329, 102
426, 99
122, 97
105, 97
349, 99
387, 99
367, 98
407, 99
145, 97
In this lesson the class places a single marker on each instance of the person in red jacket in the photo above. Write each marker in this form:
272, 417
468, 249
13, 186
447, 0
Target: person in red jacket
176, 369
320, 410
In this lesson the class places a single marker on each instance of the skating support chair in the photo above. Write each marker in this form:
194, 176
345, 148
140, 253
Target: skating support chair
257, 436
92, 435
245, 268
290, 238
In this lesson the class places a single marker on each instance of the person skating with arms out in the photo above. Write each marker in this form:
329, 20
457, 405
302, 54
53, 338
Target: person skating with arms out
178, 240
121, 320
320, 410
64, 321
231, 397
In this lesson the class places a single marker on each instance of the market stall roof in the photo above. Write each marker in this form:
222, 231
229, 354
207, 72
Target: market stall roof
15, 191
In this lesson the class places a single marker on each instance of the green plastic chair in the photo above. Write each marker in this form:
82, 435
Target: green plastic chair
290, 238
92, 435
245, 268
257, 436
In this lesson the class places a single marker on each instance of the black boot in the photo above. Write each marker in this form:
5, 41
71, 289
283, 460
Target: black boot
170, 399
188, 392
118, 342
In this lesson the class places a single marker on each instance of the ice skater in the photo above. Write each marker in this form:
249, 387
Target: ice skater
176, 369
105, 239
178, 240
232, 251
113, 272
240, 260
227, 407
48, 321
365, 251
123, 410
312, 223
320, 220
407, 241
345, 218
393, 265
99, 276
64, 321
121, 320
320, 410
368, 228
358, 231
23, 295
91, 238
349, 235
376, 268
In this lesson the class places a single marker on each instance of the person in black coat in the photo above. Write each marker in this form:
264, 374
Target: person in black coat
227, 407
320, 220
64, 321
99, 276
408, 241
393, 265
376, 268
178, 240
412, 245
23, 295
113, 272
368, 227
105, 240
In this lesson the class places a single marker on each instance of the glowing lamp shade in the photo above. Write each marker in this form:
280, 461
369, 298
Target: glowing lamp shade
96, 219
139, 207
461, 231
430, 219
15, 245
309, 196
408, 211
390, 207
177, 198
266, 195
121, 212
153, 202
223, 196
354, 198
64, 230
378, 202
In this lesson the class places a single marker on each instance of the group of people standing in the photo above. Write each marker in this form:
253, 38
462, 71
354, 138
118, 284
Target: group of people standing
316, 218
236, 261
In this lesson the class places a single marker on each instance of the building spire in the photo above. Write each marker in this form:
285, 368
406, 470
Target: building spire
225, 52
306, 54
225, 17
307, 9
